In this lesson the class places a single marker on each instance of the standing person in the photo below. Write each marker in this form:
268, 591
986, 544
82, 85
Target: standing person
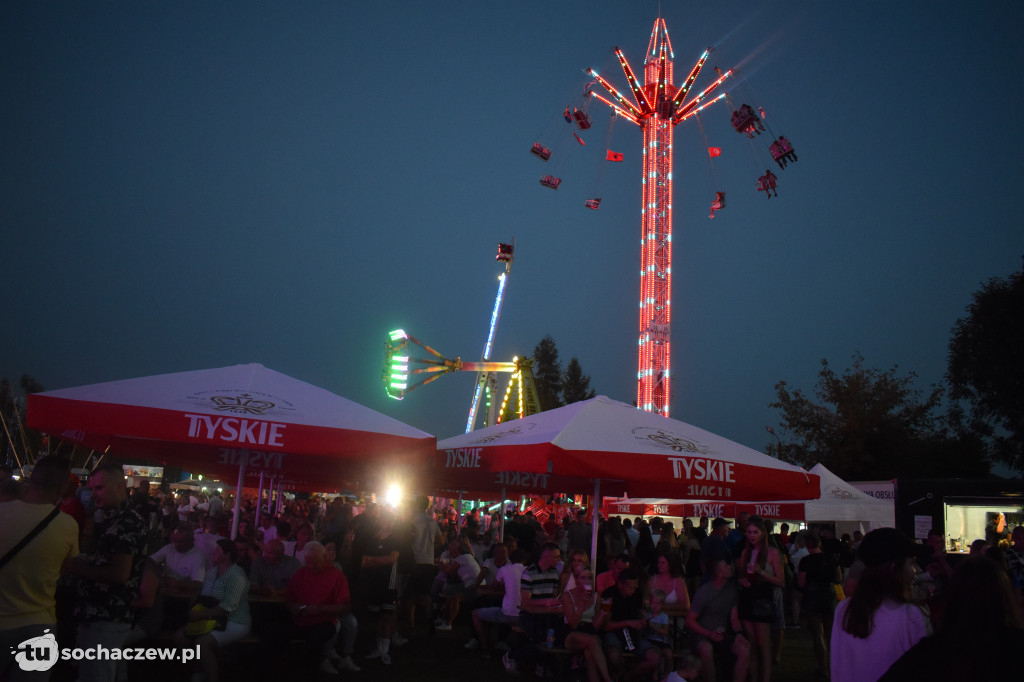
379, 579
109, 578
817, 572
878, 624
28, 577
714, 547
761, 571
426, 540
996, 529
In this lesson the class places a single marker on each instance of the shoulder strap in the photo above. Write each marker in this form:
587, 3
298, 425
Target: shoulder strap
28, 538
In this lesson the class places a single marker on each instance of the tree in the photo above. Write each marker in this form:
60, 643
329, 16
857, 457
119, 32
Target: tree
547, 372
575, 384
868, 424
986, 369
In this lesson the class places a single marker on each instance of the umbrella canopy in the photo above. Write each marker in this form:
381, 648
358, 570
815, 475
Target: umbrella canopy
649, 454
838, 501
215, 421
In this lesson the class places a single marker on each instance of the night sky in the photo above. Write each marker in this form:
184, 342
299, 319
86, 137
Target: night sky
191, 184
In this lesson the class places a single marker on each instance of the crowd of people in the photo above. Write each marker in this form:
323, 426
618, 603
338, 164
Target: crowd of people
709, 601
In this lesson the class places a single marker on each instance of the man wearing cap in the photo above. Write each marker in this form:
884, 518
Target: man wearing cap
714, 548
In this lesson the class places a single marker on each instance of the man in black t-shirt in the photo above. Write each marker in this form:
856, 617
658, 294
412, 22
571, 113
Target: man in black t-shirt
622, 622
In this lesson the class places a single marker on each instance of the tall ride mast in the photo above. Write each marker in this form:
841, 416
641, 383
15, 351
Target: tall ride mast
659, 106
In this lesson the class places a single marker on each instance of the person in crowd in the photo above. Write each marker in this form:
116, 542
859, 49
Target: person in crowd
611, 576
878, 623
485, 585
540, 609
658, 624
735, 536
761, 571
223, 599
579, 532
297, 548
669, 580
715, 625
1015, 560
508, 579
816, 576
632, 535
183, 565
379, 581
581, 605
714, 547
109, 578
996, 530
149, 612
693, 559
216, 502
206, 541
426, 541
645, 548
980, 636
272, 571
29, 573
566, 580
320, 602
267, 530
463, 571
622, 622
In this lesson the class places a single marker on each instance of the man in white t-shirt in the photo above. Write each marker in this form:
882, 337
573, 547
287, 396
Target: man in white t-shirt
183, 564
509, 576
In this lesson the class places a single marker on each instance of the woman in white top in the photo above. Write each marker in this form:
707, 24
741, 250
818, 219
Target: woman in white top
668, 579
875, 626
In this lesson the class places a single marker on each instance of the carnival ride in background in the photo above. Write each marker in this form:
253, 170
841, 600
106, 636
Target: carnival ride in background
399, 365
657, 107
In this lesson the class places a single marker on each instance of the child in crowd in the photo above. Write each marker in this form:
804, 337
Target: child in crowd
658, 628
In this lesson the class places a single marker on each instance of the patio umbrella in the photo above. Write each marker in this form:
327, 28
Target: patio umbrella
237, 421
651, 455
646, 454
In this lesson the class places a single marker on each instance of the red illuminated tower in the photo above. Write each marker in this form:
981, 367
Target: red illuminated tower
657, 108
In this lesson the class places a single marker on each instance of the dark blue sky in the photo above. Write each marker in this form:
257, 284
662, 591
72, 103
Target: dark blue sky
190, 185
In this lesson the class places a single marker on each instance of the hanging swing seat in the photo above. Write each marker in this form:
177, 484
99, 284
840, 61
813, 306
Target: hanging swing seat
593, 203
551, 181
567, 116
541, 151
582, 118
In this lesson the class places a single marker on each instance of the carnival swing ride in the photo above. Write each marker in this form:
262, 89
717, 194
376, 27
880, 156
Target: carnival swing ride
657, 107
399, 365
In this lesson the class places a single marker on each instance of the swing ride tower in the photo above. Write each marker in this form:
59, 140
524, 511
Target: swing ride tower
657, 107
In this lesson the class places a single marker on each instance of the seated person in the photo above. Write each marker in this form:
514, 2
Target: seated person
485, 584
272, 570
775, 149
622, 623
207, 540
297, 548
718, 204
317, 594
581, 606
508, 580
226, 589
712, 613
183, 565
540, 609
787, 150
462, 573
611, 576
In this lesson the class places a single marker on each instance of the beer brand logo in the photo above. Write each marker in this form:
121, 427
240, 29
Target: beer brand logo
841, 493
670, 441
515, 430
242, 404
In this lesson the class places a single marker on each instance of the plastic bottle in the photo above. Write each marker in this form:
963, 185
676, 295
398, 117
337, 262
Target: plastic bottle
551, 638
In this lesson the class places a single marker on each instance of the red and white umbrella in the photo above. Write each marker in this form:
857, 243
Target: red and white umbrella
642, 453
218, 420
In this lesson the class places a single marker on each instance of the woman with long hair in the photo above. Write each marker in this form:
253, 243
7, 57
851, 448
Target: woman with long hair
980, 636
581, 605
668, 578
879, 623
760, 571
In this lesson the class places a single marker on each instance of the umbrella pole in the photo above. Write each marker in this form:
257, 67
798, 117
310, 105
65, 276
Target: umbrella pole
458, 516
501, 517
259, 501
238, 498
279, 507
593, 527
